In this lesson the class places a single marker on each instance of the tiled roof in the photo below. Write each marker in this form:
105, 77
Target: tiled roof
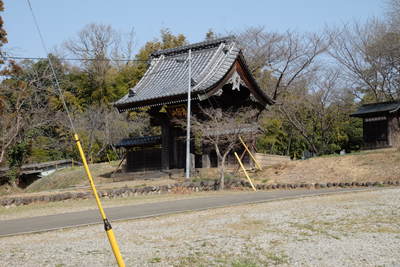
193, 47
138, 141
376, 108
166, 80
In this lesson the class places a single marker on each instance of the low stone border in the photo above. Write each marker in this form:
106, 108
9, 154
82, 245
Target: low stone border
210, 185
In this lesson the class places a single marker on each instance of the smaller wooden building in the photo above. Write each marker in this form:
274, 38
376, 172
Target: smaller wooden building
380, 124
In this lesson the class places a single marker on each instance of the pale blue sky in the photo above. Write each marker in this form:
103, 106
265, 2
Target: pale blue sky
62, 19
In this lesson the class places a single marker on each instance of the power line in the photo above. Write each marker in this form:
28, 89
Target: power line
93, 59
75, 59
107, 225
51, 67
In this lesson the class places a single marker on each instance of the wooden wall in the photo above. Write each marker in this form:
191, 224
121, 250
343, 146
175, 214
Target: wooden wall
394, 131
148, 159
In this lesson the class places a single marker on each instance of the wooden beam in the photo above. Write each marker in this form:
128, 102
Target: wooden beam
119, 165
251, 155
245, 172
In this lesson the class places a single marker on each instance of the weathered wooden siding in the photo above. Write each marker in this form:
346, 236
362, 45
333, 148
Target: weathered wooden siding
394, 131
143, 160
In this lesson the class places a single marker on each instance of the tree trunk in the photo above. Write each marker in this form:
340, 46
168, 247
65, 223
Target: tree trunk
14, 176
222, 174
2, 156
221, 166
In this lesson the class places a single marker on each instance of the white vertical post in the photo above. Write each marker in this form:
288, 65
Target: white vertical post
188, 116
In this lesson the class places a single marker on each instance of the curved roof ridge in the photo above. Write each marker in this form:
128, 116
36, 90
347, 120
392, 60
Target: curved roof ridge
195, 46
153, 65
384, 102
213, 67
204, 73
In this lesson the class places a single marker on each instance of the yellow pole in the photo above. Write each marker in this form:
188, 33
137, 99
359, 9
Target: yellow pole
245, 172
251, 155
107, 225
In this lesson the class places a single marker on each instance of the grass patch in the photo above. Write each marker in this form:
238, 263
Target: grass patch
374, 223
353, 153
155, 260
277, 259
244, 263
72, 176
247, 225
261, 258
191, 260
313, 228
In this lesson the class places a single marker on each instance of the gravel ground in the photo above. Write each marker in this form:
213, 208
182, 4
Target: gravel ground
352, 229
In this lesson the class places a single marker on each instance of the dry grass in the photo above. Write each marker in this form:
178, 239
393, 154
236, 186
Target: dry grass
375, 165
249, 225
76, 177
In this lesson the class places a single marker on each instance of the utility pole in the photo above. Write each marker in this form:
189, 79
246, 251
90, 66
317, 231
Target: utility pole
189, 59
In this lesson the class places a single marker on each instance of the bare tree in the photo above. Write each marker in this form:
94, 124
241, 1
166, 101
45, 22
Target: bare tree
393, 14
23, 104
370, 57
102, 127
221, 129
94, 41
279, 60
101, 42
100, 46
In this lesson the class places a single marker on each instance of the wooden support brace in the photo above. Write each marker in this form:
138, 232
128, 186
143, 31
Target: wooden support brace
241, 158
251, 155
245, 172
119, 165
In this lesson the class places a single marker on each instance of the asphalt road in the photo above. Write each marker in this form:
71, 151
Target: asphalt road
82, 218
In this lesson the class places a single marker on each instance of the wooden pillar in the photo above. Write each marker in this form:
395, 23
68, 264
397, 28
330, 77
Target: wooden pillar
253, 151
205, 157
165, 142
192, 163
173, 149
205, 161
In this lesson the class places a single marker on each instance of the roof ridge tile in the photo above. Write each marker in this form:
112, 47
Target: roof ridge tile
195, 46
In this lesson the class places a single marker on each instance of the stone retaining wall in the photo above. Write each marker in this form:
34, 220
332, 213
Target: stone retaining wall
210, 185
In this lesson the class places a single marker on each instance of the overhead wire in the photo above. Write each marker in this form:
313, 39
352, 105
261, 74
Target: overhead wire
52, 68
79, 59
76, 59
107, 224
